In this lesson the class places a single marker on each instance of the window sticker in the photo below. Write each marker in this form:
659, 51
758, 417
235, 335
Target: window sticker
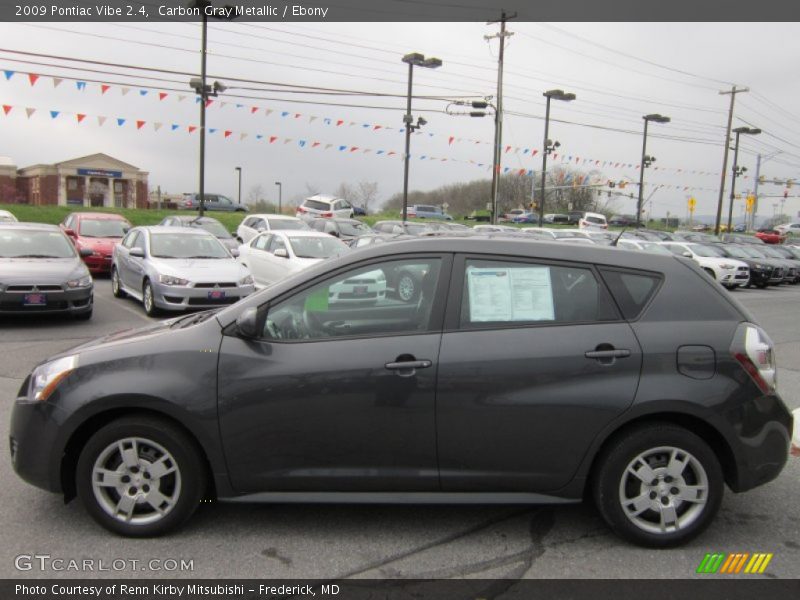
510, 294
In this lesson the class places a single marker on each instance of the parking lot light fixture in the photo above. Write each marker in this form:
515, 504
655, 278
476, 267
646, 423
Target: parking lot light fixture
280, 194
419, 60
646, 161
736, 169
549, 146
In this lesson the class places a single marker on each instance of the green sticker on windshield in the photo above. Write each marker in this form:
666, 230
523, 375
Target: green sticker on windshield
318, 301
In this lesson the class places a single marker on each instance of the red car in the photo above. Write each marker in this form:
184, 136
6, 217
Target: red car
99, 232
770, 236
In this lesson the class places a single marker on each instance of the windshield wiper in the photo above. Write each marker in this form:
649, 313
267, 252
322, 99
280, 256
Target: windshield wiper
36, 256
203, 256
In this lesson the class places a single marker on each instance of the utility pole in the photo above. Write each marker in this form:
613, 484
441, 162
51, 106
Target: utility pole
733, 93
498, 115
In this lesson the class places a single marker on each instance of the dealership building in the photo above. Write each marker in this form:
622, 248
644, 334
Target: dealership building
90, 181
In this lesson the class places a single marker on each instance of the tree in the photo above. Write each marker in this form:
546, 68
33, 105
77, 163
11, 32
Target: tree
345, 191
366, 193
255, 194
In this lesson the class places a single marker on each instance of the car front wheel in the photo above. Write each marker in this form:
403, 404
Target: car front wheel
140, 476
116, 285
149, 300
658, 486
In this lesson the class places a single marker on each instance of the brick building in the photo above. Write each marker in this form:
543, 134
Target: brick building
95, 180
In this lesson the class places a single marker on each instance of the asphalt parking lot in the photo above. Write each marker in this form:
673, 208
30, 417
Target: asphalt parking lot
335, 542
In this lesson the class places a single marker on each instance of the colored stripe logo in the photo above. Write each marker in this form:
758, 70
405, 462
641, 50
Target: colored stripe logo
734, 563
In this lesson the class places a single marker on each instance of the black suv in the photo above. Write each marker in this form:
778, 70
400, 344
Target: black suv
520, 372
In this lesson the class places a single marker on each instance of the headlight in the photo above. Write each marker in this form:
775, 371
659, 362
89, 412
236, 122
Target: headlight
758, 267
725, 266
170, 280
381, 276
83, 282
247, 280
45, 378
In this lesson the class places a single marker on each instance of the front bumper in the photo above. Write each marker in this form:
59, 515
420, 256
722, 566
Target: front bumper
57, 301
33, 441
177, 298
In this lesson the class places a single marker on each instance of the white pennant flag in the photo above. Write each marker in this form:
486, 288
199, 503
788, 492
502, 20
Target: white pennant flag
125, 91
30, 111
287, 140
222, 104
328, 146
311, 119
267, 112
181, 98
101, 120
57, 81
242, 136
157, 126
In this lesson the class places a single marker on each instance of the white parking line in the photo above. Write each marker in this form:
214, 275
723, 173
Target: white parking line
121, 303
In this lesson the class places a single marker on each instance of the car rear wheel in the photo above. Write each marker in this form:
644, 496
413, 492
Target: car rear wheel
658, 486
148, 299
116, 285
407, 287
140, 476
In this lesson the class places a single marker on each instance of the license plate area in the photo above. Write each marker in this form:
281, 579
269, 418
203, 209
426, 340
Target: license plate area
34, 300
360, 290
216, 294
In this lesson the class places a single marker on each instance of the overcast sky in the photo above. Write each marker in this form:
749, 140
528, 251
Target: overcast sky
619, 71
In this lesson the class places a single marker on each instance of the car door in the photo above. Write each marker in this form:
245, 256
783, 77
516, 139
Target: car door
335, 397
124, 267
535, 361
136, 264
257, 261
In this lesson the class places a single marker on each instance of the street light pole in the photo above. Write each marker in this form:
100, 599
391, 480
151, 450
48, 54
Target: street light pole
280, 194
239, 171
646, 161
412, 59
549, 145
736, 170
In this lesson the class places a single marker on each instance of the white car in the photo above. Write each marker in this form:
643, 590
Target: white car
592, 220
642, 246
788, 229
252, 225
729, 272
325, 207
7, 217
272, 256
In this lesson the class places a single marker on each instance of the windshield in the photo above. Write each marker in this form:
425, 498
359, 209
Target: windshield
353, 228
567, 234
654, 248
287, 224
705, 251
736, 252
771, 252
711, 250
103, 228
416, 228
752, 252
177, 245
215, 228
317, 247
317, 205
26, 243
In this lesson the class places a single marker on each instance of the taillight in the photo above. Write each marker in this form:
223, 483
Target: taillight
300, 209
755, 352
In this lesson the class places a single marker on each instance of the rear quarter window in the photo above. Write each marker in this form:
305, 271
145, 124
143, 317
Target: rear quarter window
632, 290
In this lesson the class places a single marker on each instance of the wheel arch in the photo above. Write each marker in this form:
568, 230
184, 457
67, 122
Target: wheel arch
81, 435
701, 428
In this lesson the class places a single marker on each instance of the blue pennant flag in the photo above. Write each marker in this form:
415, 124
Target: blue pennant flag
342, 148
284, 113
8, 74
301, 142
54, 113
81, 85
327, 121
379, 152
174, 126
120, 122
143, 92
212, 130
259, 136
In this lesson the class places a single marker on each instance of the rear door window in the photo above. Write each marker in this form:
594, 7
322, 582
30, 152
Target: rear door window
631, 289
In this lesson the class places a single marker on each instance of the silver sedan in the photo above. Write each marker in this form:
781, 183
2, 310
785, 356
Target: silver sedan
177, 268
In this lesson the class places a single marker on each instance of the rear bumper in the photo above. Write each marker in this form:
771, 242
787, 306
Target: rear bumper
98, 263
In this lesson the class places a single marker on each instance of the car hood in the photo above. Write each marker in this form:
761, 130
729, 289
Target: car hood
204, 270
40, 270
104, 245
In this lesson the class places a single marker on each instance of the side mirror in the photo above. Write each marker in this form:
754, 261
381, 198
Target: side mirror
70, 233
261, 228
86, 251
235, 252
137, 252
687, 254
334, 233
282, 252
247, 323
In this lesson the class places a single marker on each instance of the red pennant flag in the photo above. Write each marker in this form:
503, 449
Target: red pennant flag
534, 152
253, 110
104, 88
354, 148
390, 153
192, 128
228, 132
139, 124
450, 140
521, 172
162, 95
339, 122
208, 102
33, 78
272, 138
80, 117
508, 148
296, 115
376, 127
7, 108
315, 144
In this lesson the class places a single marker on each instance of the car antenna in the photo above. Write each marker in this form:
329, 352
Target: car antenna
614, 243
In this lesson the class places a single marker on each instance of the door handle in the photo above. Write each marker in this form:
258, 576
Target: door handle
408, 365
606, 354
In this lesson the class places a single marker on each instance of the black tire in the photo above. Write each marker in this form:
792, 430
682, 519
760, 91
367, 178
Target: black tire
661, 444
116, 287
406, 287
149, 303
181, 489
